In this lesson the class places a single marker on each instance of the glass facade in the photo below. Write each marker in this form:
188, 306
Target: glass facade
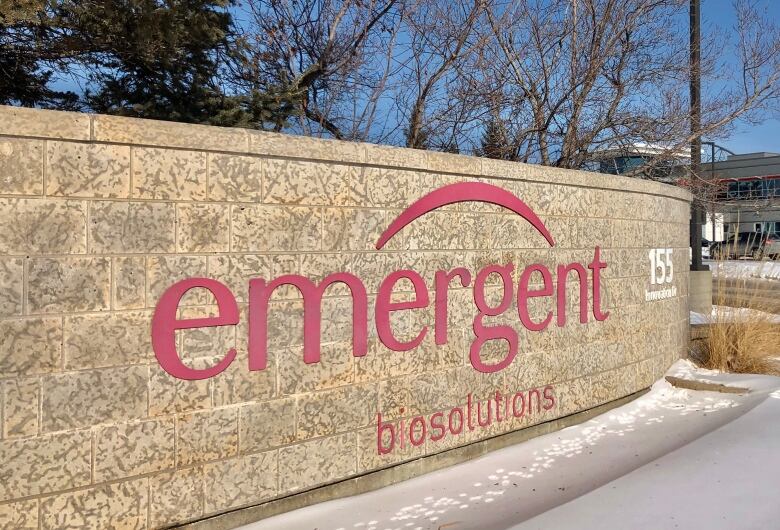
753, 189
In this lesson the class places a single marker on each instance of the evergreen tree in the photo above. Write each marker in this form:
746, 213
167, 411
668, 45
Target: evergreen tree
495, 140
27, 59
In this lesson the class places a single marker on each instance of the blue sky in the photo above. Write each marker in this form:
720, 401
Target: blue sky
746, 138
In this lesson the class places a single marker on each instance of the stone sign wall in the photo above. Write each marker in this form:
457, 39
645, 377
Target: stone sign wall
476, 323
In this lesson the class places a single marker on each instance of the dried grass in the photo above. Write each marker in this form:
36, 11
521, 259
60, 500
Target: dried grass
747, 343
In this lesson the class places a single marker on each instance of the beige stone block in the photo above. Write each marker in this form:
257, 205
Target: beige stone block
42, 226
87, 170
298, 182
316, 462
23, 121
21, 166
240, 481
164, 271
68, 284
114, 339
131, 227
452, 163
161, 133
22, 403
32, 466
204, 343
11, 281
369, 457
421, 393
84, 399
444, 230
129, 283
22, 515
396, 157
235, 271
383, 363
176, 496
267, 143
235, 178
381, 187
170, 395
266, 425
332, 411
135, 448
355, 229
206, 435
370, 267
238, 385
30, 346
203, 228
122, 505
507, 169
336, 368
275, 228
168, 174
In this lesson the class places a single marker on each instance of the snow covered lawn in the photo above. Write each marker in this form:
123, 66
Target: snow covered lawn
672, 458
733, 314
768, 270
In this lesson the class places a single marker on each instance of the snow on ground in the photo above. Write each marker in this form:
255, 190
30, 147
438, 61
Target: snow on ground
768, 270
672, 458
722, 313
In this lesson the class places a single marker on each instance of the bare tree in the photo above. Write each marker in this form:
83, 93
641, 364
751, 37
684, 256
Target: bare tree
557, 81
314, 59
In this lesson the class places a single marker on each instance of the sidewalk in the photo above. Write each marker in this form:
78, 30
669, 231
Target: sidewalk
672, 458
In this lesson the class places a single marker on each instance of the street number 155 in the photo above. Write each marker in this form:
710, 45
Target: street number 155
661, 268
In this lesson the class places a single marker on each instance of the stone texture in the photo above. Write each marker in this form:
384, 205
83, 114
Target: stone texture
115, 339
131, 227
122, 505
274, 144
129, 282
176, 496
203, 228
22, 515
21, 406
336, 368
240, 481
275, 228
21, 166
385, 155
239, 385
164, 271
168, 174
82, 399
235, 178
342, 409
207, 435
168, 134
354, 229
29, 226
31, 466
235, 271
68, 284
316, 462
169, 395
266, 425
30, 346
294, 182
11, 282
87, 170
23, 121
135, 448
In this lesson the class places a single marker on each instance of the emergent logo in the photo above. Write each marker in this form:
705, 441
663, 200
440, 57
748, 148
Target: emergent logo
165, 323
